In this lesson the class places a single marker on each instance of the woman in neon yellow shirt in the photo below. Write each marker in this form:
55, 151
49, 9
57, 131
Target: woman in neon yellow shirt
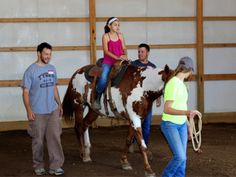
174, 125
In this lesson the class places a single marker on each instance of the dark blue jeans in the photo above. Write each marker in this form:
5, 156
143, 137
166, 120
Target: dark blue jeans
146, 126
103, 78
176, 136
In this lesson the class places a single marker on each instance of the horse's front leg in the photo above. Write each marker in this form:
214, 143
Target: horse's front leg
143, 149
124, 160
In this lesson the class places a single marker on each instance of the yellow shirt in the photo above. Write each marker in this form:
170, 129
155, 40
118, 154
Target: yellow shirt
176, 91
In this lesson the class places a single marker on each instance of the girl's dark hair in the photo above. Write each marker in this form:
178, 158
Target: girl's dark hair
42, 46
106, 27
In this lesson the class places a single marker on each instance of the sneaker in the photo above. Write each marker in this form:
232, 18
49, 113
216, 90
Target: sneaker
40, 171
56, 172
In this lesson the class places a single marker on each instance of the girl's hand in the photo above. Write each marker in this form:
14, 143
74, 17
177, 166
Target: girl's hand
124, 57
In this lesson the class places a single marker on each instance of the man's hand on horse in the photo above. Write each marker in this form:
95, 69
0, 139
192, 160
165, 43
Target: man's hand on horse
158, 102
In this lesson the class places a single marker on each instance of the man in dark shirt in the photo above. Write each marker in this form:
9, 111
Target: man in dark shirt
142, 61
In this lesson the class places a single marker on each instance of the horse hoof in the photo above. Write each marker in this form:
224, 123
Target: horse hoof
126, 166
88, 159
150, 174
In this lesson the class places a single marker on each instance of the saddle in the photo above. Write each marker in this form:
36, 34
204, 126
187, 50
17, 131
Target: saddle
115, 76
92, 74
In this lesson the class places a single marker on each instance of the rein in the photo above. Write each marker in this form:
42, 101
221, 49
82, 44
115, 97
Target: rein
195, 134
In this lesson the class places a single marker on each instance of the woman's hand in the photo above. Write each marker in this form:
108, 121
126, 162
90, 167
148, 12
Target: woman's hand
193, 113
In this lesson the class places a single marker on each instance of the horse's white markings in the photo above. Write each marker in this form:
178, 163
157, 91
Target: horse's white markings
86, 138
152, 81
143, 143
79, 82
76, 101
117, 97
86, 109
136, 95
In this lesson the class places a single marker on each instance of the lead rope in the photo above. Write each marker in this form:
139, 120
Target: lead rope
195, 134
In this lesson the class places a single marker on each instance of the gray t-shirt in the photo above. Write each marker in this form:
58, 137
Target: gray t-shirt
41, 80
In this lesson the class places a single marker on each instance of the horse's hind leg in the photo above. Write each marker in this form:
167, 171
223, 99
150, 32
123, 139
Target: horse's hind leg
124, 160
79, 127
143, 150
89, 118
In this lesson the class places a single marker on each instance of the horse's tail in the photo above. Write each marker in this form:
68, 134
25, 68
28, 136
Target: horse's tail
67, 104
68, 100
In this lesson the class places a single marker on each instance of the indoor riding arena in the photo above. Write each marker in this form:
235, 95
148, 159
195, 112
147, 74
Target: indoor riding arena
204, 30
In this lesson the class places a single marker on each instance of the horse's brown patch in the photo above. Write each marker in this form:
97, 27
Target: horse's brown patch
145, 104
130, 81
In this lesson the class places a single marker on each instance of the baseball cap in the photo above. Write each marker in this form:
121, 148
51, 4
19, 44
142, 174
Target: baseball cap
186, 62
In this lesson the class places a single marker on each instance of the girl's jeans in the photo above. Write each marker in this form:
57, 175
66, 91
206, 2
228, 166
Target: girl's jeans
103, 78
176, 136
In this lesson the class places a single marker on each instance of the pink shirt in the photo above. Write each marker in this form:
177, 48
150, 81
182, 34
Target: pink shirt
114, 47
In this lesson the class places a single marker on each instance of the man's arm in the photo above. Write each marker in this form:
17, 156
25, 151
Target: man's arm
26, 100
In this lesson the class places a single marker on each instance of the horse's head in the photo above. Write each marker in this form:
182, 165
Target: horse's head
166, 74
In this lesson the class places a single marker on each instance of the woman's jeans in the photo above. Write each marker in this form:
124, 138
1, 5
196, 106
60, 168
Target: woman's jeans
176, 136
103, 78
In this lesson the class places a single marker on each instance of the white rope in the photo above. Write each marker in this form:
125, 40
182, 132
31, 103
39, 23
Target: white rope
195, 134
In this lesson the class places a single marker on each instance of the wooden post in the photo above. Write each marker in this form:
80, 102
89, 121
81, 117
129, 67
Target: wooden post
92, 29
200, 57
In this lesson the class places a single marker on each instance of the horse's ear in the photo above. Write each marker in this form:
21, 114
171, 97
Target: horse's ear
166, 69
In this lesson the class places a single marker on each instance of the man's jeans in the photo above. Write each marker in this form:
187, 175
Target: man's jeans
176, 136
146, 125
103, 78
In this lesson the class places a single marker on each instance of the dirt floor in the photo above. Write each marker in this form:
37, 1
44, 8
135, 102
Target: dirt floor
218, 158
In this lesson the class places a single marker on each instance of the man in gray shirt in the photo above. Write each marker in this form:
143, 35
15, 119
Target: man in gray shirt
44, 111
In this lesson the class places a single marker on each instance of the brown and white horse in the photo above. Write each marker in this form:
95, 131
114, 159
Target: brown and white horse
133, 97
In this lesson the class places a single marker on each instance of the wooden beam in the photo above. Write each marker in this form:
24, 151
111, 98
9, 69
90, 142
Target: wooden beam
16, 83
219, 45
102, 19
148, 19
220, 18
213, 77
43, 20
92, 30
33, 49
70, 48
200, 57
153, 46
159, 46
65, 81
219, 117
